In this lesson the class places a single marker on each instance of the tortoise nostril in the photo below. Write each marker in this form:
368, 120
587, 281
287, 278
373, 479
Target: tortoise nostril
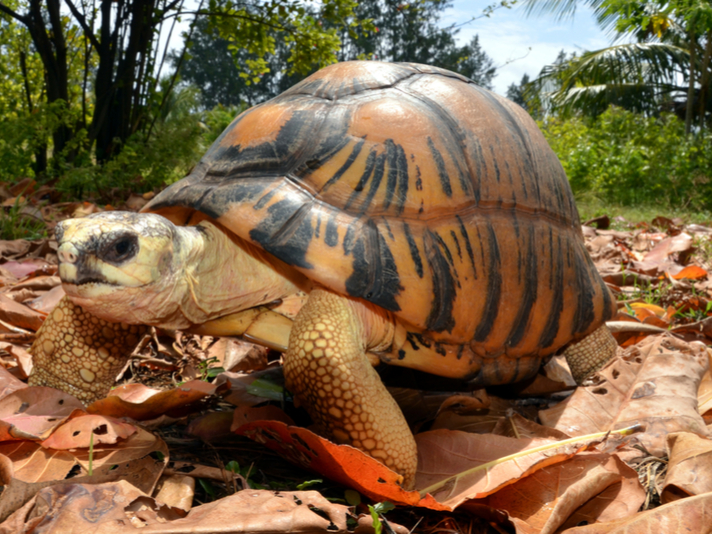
67, 254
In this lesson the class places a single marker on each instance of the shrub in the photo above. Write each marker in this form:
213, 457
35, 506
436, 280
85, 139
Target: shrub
628, 159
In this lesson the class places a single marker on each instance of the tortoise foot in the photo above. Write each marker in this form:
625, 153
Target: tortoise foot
79, 353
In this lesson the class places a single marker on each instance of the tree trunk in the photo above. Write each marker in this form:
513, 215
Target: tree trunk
691, 88
705, 79
114, 119
52, 48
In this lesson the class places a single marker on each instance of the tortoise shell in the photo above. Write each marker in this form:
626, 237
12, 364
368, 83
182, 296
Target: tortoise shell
415, 189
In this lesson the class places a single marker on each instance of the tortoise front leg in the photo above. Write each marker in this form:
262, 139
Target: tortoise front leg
327, 369
79, 353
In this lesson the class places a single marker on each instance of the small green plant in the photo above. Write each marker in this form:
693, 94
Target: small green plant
17, 223
207, 373
377, 510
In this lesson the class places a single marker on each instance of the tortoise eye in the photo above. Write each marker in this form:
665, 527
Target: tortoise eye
121, 249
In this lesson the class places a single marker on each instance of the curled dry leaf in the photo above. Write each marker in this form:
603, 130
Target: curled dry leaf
118, 507
82, 429
138, 445
689, 468
589, 487
33, 463
9, 383
516, 426
177, 491
249, 414
654, 383
456, 466
21, 356
684, 516
19, 315
211, 426
163, 402
34, 412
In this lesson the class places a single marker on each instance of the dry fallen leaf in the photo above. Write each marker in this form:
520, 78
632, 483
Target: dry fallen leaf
589, 487
689, 467
164, 402
341, 463
654, 383
81, 429
685, 516
456, 466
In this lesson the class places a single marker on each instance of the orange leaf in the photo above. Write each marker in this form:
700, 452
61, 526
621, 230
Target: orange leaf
341, 463
692, 272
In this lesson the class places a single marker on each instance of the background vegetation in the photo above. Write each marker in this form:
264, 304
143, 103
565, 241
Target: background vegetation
93, 101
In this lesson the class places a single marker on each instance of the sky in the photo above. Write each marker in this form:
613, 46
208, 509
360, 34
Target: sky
521, 44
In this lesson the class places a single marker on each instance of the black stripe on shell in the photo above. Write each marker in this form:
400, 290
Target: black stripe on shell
346, 166
556, 285
375, 273
529, 295
286, 231
584, 315
442, 170
413, 247
494, 287
468, 245
440, 317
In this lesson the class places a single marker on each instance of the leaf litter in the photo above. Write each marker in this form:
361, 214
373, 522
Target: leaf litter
659, 272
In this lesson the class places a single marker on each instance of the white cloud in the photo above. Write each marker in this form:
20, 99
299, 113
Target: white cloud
523, 45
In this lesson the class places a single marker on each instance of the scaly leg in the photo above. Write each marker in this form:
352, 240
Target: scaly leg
79, 353
327, 369
590, 354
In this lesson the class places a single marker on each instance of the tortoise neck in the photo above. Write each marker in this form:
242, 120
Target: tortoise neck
222, 274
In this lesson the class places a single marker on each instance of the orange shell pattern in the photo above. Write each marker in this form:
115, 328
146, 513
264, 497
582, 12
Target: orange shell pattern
417, 190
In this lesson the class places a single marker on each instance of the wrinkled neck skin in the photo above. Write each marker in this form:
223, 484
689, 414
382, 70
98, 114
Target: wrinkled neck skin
207, 275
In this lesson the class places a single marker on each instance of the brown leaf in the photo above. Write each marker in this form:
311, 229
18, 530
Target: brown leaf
237, 355
8, 381
481, 421
249, 414
164, 402
211, 426
33, 463
121, 508
456, 466
516, 426
654, 383
689, 468
34, 412
589, 487
177, 492
82, 429
679, 517
19, 314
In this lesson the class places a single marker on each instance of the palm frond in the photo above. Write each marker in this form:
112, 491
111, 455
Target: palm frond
625, 75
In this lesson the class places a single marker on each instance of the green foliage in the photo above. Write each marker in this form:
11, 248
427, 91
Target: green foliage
389, 31
17, 223
627, 158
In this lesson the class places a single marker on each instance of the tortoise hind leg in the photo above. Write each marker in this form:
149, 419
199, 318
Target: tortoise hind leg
79, 353
591, 353
328, 371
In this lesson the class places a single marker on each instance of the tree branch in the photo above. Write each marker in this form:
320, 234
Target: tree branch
24, 19
83, 23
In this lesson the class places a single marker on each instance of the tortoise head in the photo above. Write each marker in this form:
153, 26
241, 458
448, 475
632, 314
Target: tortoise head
111, 263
